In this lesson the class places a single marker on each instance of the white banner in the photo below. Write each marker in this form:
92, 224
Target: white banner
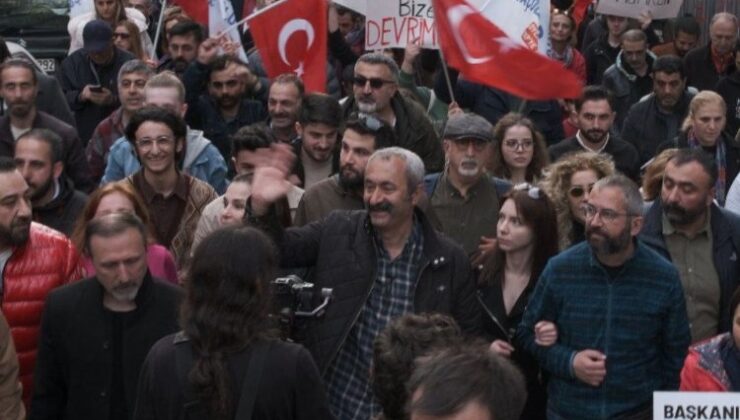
221, 21
396, 23
696, 406
660, 9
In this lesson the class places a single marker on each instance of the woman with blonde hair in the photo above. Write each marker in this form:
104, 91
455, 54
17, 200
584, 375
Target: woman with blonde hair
567, 182
519, 152
704, 128
113, 12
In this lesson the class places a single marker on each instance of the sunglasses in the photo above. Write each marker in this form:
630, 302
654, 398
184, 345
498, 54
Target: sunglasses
375, 83
121, 35
578, 191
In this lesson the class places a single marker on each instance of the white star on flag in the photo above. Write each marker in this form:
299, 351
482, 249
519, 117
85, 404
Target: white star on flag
300, 70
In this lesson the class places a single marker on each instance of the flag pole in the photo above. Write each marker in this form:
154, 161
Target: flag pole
447, 74
162, 9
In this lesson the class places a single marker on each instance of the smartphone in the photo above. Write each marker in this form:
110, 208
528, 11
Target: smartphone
96, 89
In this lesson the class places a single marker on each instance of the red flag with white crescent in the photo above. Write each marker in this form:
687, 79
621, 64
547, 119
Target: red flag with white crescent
485, 54
291, 37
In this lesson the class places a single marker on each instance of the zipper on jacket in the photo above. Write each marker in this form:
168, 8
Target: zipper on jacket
495, 320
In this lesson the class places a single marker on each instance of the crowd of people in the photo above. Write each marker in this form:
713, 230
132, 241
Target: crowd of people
488, 257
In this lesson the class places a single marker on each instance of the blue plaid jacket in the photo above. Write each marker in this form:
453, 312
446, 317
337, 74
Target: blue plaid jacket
637, 319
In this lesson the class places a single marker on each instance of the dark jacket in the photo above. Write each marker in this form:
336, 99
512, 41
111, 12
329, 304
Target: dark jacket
599, 57
414, 131
75, 359
624, 154
61, 213
725, 227
340, 249
75, 164
626, 86
300, 171
492, 104
646, 126
76, 73
204, 114
290, 387
732, 153
729, 88
700, 70
50, 99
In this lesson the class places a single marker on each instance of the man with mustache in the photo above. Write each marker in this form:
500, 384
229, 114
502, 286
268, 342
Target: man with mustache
464, 197
657, 118
382, 263
595, 116
131, 81
319, 121
55, 201
19, 88
699, 237
183, 41
343, 190
96, 333
222, 109
620, 314
34, 259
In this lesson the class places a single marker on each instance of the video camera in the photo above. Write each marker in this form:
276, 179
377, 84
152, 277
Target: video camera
295, 298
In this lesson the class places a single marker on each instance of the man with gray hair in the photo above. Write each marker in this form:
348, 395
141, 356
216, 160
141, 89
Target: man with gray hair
131, 81
382, 262
96, 333
629, 78
375, 91
464, 198
707, 65
620, 313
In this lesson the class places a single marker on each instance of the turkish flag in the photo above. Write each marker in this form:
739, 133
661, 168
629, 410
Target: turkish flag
484, 54
196, 9
291, 38
580, 7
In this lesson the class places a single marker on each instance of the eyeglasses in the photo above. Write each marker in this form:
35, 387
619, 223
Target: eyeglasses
164, 142
516, 144
121, 35
607, 215
535, 193
577, 191
464, 144
375, 83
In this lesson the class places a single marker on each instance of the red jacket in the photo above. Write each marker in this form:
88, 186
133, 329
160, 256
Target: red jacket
46, 261
703, 369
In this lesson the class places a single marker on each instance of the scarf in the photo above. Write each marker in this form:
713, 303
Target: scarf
566, 57
721, 158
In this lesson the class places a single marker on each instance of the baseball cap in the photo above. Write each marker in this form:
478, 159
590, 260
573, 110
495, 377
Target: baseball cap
96, 36
468, 125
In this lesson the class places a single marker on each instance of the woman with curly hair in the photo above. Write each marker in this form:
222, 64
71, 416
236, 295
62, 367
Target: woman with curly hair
226, 346
519, 154
567, 182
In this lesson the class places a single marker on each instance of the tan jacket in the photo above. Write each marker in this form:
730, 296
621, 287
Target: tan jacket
11, 407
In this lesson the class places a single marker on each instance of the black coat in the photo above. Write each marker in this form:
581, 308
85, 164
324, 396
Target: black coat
290, 387
729, 88
700, 70
646, 127
76, 73
599, 57
75, 163
340, 249
624, 154
75, 359
725, 227
61, 213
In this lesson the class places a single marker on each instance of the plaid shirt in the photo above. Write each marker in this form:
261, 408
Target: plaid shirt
392, 295
637, 319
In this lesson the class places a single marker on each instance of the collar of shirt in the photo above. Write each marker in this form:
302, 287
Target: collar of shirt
449, 190
414, 240
580, 140
148, 193
722, 61
669, 229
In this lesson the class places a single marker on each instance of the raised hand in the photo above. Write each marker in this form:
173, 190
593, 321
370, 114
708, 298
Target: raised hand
270, 182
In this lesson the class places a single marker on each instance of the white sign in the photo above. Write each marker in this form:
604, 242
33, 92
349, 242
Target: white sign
525, 21
359, 6
696, 406
396, 23
660, 9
